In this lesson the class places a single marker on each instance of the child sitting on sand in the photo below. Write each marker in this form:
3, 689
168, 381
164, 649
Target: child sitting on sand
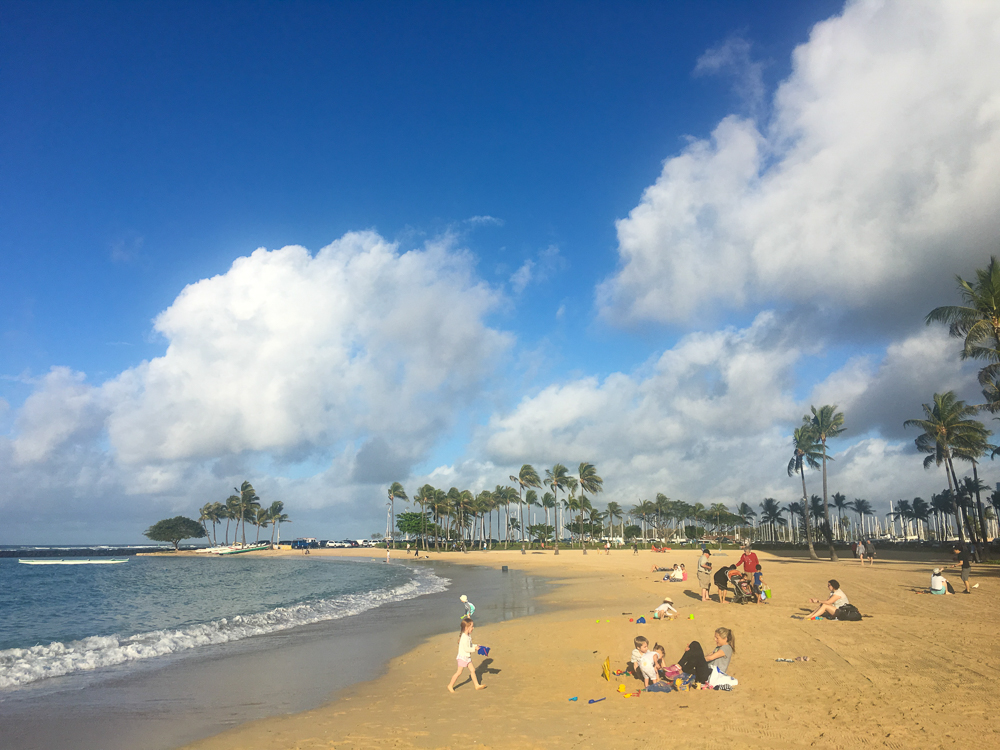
665, 610
465, 650
641, 647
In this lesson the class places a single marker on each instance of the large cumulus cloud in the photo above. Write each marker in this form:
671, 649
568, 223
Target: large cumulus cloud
357, 359
875, 180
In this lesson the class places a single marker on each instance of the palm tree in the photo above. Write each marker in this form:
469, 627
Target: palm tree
615, 511
276, 514
770, 513
798, 509
746, 514
396, 490
526, 477
978, 322
941, 505
839, 502
921, 512
826, 423
548, 501
209, 512
261, 519
558, 478
807, 451
248, 504
947, 426
717, 509
590, 482
230, 511
903, 514
863, 508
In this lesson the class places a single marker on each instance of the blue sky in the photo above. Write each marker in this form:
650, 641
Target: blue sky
604, 202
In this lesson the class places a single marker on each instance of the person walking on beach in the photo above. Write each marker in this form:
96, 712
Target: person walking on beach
963, 558
869, 552
466, 648
705, 574
470, 608
635, 548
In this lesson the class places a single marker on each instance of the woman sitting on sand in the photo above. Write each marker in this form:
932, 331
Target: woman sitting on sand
939, 585
694, 662
829, 606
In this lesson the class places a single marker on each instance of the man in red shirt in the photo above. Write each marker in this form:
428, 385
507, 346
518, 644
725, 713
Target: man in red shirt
748, 560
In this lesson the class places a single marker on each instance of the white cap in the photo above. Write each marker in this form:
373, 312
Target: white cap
463, 598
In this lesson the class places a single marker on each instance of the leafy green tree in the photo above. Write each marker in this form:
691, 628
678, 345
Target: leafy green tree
411, 522
232, 513
174, 530
977, 321
826, 422
863, 508
614, 511
770, 513
806, 451
948, 425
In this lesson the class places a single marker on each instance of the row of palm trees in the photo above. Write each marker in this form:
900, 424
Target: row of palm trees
242, 508
464, 514
950, 430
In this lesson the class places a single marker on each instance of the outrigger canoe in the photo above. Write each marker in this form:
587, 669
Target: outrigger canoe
74, 561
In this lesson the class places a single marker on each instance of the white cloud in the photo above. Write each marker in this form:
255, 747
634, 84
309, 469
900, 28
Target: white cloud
522, 276
549, 261
360, 355
733, 58
876, 180
288, 349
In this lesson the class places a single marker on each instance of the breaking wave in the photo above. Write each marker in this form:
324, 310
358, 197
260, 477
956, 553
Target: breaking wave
20, 666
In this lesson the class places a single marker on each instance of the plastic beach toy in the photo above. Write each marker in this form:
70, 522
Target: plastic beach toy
598, 700
642, 620
484, 651
574, 698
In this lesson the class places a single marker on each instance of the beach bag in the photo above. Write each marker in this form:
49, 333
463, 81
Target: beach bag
848, 613
717, 679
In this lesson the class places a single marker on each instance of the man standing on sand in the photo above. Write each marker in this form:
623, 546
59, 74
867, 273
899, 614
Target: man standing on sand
964, 558
748, 560
705, 574
869, 552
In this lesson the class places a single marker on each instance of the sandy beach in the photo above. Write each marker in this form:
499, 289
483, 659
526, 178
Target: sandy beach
915, 674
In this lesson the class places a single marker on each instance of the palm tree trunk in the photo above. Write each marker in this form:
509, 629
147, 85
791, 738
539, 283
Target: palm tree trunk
983, 535
805, 513
826, 511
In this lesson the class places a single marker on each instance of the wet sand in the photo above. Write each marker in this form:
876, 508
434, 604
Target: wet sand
917, 673
166, 702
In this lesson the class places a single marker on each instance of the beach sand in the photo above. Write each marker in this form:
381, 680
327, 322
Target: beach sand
917, 673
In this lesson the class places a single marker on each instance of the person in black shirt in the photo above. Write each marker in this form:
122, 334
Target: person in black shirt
721, 579
964, 558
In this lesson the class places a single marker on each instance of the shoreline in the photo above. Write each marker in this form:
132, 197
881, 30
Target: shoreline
893, 680
177, 699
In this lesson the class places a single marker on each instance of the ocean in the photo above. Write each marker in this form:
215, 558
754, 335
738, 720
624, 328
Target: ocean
156, 652
60, 620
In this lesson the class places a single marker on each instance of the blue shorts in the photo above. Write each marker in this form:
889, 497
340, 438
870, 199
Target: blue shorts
939, 592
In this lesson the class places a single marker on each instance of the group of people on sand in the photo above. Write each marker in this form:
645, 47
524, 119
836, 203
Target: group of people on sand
726, 575
675, 573
864, 549
694, 668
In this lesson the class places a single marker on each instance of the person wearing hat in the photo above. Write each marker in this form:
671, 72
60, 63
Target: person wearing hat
470, 608
665, 610
705, 574
939, 585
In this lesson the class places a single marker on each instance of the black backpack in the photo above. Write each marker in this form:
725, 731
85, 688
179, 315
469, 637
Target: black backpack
849, 613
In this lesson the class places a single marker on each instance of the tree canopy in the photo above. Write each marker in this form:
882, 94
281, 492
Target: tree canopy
175, 529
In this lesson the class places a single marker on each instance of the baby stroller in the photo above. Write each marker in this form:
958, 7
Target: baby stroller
743, 592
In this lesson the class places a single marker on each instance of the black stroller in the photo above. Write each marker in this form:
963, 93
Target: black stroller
743, 592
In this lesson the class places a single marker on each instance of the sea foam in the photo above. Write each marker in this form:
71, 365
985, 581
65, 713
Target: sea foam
20, 666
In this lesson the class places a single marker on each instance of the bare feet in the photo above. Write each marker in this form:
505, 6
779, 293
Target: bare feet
451, 689
479, 687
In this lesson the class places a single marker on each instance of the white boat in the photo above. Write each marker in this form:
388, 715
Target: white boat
73, 561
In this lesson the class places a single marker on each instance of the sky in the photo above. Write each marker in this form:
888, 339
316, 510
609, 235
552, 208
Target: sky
327, 246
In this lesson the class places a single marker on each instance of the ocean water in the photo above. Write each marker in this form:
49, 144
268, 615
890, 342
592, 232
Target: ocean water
63, 620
